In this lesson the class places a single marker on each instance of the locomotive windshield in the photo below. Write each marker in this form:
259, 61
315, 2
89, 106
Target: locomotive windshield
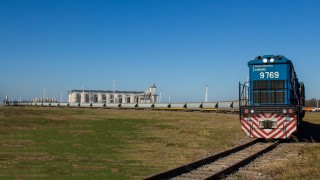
267, 92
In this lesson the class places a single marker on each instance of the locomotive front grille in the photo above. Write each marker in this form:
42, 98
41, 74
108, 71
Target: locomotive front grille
267, 124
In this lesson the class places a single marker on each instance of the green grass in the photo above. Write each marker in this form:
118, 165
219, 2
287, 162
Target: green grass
109, 144
73, 143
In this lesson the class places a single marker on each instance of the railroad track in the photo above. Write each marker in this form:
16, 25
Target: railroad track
219, 165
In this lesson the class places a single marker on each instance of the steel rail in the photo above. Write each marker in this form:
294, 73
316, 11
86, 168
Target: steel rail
241, 163
196, 164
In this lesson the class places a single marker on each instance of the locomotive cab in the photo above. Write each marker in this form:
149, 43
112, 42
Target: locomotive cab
272, 99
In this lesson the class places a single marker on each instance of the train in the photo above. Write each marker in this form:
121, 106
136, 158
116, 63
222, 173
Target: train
272, 100
222, 106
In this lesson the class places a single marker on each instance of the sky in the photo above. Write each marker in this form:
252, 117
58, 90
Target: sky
179, 45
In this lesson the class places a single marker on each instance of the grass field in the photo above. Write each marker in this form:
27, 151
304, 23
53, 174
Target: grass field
112, 144
108, 144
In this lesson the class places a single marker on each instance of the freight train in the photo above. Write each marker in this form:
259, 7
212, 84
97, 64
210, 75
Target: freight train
222, 106
272, 100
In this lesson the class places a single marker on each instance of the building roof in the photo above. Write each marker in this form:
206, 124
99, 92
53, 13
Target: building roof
106, 91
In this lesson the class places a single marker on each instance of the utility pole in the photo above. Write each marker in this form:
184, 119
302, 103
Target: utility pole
114, 91
114, 87
206, 93
44, 95
61, 96
83, 89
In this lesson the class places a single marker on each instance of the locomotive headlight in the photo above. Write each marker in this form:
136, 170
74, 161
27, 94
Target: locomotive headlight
265, 60
272, 60
252, 111
284, 111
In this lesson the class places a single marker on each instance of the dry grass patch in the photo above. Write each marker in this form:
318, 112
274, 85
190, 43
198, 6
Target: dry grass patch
76, 132
15, 143
305, 166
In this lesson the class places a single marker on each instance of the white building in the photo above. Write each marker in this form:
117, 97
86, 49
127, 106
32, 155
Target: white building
108, 96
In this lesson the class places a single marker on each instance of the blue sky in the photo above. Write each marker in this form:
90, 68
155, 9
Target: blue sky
180, 45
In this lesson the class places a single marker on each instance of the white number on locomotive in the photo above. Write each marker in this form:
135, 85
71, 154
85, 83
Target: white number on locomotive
271, 75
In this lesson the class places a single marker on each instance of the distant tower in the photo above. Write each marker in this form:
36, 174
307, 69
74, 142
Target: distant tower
6, 101
153, 89
159, 100
206, 93
153, 93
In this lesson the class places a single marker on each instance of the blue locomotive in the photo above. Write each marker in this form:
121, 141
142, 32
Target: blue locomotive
272, 100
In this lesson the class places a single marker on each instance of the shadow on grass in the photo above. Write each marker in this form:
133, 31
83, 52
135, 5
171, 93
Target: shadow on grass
308, 132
